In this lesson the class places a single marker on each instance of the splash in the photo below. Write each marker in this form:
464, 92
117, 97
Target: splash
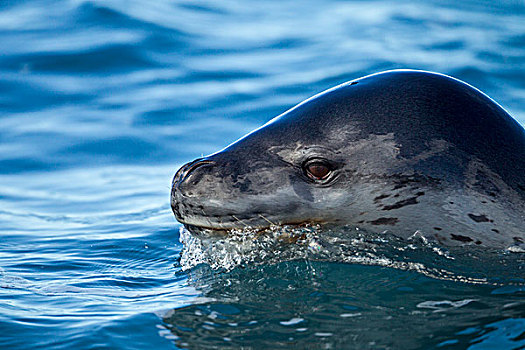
249, 246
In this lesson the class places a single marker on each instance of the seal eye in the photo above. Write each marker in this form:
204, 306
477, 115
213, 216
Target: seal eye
317, 170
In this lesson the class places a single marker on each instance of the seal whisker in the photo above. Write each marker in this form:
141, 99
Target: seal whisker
267, 220
242, 222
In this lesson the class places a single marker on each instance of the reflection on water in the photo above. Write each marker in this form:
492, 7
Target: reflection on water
102, 101
302, 303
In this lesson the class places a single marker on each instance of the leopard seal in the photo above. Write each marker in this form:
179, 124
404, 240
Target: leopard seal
401, 151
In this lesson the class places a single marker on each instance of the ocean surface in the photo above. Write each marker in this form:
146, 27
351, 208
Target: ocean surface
102, 101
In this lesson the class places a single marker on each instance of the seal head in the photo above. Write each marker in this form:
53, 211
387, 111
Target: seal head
401, 151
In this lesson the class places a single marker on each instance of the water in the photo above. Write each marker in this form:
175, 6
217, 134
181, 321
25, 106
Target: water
102, 101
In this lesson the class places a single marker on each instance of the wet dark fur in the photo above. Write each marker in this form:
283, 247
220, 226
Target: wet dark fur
447, 137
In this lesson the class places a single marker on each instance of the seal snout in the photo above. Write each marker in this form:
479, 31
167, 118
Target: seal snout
187, 184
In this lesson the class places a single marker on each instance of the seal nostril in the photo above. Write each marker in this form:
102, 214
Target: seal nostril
183, 173
196, 164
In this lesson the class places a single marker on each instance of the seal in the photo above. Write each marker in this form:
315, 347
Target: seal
401, 151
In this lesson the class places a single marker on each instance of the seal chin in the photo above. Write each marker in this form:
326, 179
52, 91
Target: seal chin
201, 231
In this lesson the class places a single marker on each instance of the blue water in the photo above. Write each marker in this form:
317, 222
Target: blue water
101, 102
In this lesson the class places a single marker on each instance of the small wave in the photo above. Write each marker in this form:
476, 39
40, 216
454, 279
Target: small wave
443, 305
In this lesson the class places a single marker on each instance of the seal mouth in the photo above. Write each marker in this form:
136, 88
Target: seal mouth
214, 232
